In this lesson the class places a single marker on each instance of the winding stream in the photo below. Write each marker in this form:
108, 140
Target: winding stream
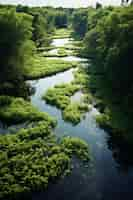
106, 177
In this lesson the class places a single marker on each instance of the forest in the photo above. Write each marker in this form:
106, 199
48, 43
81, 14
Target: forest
65, 73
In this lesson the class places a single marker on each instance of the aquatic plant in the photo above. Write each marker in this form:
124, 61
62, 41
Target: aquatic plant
73, 145
62, 33
32, 158
74, 112
103, 120
41, 67
16, 110
60, 95
81, 77
61, 52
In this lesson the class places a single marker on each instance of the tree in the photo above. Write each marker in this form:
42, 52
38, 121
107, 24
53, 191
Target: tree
60, 19
15, 46
111, 44
98, 5
80, 22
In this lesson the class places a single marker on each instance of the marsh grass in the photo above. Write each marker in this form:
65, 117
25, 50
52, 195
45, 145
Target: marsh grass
74, 112
61, 52
17, 110
32, 158
74, 145
60, 95
42, 67
81, 77
62, 33
103, 120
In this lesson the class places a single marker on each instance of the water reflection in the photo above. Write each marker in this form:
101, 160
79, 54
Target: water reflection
60, 42
4, 128
18, 88
122, 152
103, 180
109, 175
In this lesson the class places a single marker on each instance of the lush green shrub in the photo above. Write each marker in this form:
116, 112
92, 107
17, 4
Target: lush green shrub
62, 33
74, 111
60, 95
109, 42
60, 19
31, 158
17, 110
61, 52
76, 146
81, 77
80, 22
42, 67
15, 44
103, 120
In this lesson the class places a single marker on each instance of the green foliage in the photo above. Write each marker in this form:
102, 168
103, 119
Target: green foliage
62, 33
40, 32
60, 19
28, 161
103, 120
15, 44
81, 77
80, 22
76, 146
31, 158
60, 95
109, 43
74, 111
42, 67
17, 110
61, 52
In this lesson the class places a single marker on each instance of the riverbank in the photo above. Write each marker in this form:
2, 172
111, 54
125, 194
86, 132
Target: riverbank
35, 142
41, 159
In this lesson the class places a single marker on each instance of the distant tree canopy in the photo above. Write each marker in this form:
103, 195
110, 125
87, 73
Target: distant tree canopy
80, 22
98, 5
60, 19
39, 29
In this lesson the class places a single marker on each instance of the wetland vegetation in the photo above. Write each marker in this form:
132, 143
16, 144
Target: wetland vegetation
86, 117
42, 67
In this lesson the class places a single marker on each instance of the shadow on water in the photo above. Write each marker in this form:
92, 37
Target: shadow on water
109, 175
18, 89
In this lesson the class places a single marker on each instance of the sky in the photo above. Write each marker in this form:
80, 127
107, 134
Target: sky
62, 3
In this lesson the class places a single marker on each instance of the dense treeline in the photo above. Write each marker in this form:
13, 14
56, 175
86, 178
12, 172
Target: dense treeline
15, 47
31, 157
113, 63
22, 30
108, 42
107, 39
80, 22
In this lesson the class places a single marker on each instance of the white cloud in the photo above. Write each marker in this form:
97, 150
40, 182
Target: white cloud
63, 3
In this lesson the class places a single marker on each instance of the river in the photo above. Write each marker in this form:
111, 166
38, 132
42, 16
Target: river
108, 176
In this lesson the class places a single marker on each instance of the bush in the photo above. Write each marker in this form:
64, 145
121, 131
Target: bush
76, 146
74, 111
31, 159
42, 67
60, 95
17, 110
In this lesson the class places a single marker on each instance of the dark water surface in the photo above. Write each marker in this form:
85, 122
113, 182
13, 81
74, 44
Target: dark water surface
108, 176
